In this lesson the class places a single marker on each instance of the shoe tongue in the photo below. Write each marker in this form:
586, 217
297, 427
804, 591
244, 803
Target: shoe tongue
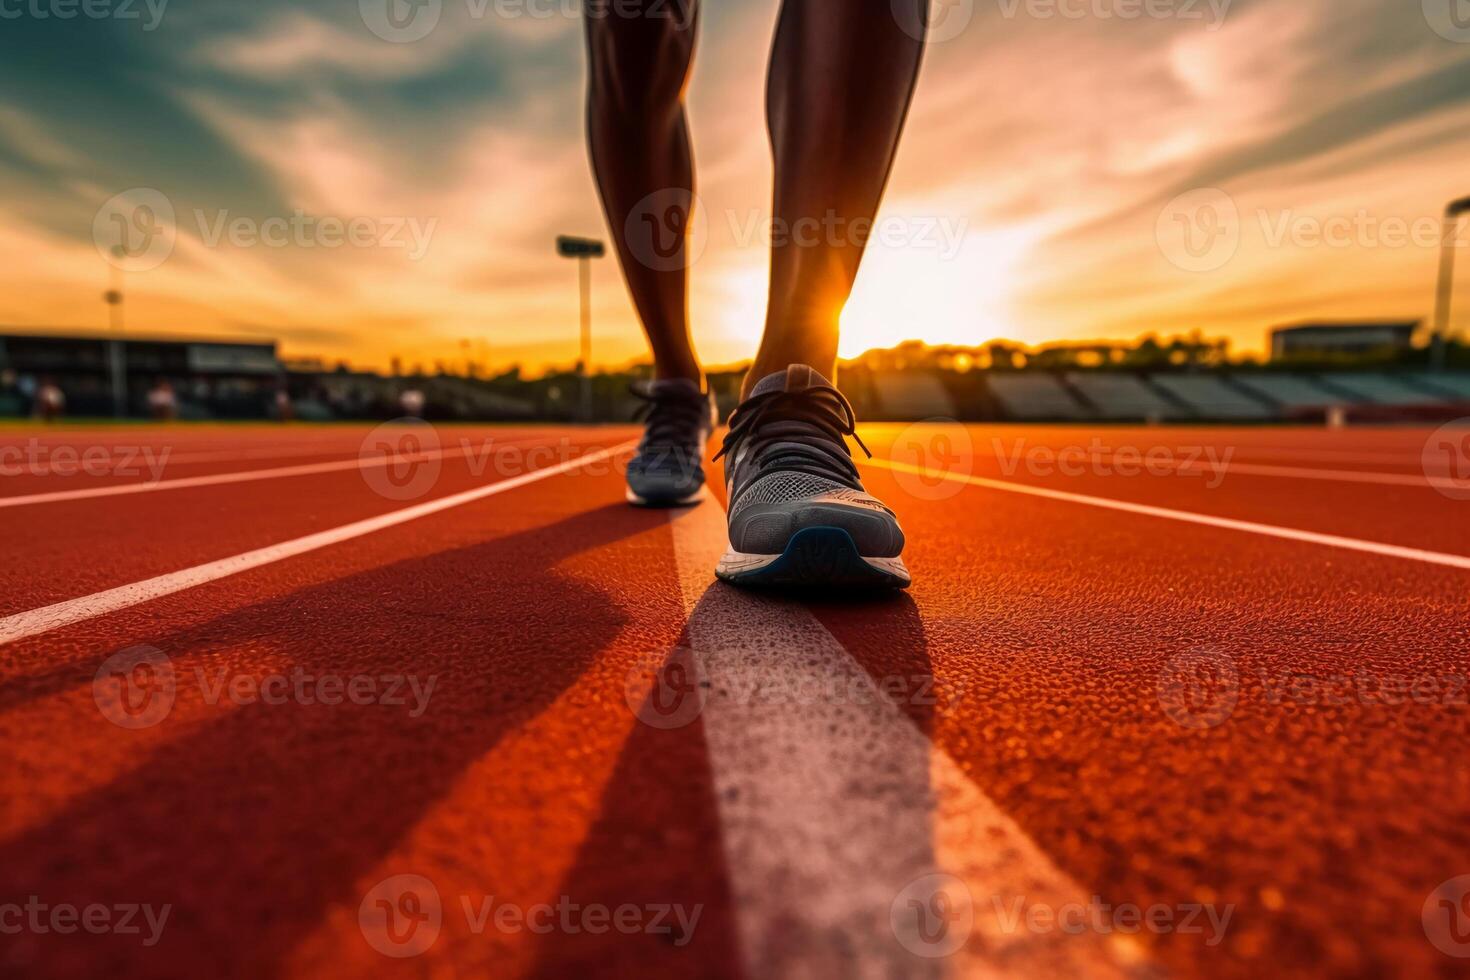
661, 386
797, 377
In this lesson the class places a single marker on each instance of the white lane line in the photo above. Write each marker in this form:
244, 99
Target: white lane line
67, 612
1251, 527
246, 476
165, 457
164, 454
833, 803
1225, 467
1330, 455
1317, 473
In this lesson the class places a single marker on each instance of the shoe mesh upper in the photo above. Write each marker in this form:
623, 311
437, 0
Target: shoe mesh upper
782, 487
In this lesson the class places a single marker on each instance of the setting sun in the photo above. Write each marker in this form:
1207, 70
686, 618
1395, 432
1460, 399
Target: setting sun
906, 293
1043, 164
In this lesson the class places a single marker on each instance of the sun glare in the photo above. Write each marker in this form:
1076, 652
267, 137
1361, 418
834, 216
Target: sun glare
956, 292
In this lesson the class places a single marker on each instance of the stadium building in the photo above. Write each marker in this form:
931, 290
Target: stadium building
209, 379
1343, 339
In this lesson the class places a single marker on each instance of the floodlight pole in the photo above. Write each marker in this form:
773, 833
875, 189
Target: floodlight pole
1445, 293
584, 284
114, 298
584, 250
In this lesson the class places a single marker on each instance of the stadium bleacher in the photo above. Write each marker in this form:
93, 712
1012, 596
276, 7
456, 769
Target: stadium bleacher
1035, 396
1257, 396
1451, 386
1211, 398
1120, 397
1290, 391
909, 396
1383, 389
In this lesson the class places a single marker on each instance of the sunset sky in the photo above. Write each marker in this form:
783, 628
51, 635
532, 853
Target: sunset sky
1056, 153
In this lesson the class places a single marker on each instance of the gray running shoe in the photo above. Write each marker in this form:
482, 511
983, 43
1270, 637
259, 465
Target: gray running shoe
678, 419
799, 515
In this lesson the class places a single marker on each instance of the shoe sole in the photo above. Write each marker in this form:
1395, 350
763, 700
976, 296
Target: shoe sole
637, 500
815, 557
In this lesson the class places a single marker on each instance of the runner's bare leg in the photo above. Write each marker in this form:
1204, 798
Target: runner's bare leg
841, 78
639, 141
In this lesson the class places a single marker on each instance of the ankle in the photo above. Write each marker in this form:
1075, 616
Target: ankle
689, 371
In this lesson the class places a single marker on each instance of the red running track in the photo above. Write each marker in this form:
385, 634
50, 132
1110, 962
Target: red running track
1076, 700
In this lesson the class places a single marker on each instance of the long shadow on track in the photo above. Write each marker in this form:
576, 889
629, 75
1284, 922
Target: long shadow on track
659, 836
256, 822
